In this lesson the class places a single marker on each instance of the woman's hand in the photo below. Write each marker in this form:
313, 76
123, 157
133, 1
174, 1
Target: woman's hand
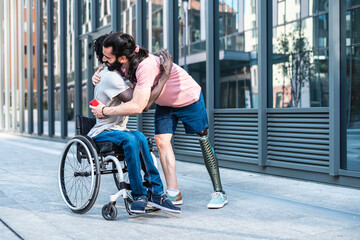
96, 77
97, 110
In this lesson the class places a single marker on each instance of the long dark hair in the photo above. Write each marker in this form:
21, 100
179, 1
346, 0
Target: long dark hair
98, 45
123, 44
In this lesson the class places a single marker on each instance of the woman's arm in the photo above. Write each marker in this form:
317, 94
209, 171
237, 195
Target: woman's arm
165, 67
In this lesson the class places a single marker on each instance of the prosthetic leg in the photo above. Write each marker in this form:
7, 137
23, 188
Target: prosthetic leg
210, 161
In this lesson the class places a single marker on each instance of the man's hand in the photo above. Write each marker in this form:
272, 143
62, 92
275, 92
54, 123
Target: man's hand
97, 110
96, 77
165, 62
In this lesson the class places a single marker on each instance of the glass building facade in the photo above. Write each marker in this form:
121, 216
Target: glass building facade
280, 78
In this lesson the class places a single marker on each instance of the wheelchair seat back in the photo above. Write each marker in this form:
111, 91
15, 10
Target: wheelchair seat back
84, 125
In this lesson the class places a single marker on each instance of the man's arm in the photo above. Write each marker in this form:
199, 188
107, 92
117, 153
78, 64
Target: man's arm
126, 95
135, 106
166, 66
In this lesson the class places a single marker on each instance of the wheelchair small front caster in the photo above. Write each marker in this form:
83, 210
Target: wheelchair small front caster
109, 211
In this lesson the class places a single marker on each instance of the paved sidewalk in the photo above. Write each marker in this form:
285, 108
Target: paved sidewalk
260, 206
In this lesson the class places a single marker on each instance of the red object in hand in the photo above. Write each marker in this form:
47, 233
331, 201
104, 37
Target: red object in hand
94, 102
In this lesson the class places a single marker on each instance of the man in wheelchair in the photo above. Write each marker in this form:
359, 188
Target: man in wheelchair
112, 91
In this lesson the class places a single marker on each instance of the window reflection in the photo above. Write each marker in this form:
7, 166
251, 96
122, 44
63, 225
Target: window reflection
238, 85
85, 16
154, 26
104, 12
300, 54
192, 40
352, 99
128, 17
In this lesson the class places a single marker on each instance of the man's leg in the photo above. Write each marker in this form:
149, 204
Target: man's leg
131, 151
194, 118
151, 172
167, 158
210, 161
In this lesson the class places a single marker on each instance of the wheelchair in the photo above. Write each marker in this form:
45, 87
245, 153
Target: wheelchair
82, 163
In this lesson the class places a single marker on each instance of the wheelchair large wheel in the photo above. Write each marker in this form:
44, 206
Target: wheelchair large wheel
79, 174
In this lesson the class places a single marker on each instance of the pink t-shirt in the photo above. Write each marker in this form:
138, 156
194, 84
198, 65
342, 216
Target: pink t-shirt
180, 89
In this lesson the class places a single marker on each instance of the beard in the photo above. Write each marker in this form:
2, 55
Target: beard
114, 66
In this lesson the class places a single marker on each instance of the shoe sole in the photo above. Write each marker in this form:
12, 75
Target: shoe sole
216, 206
163, 208
177, 202
137, 211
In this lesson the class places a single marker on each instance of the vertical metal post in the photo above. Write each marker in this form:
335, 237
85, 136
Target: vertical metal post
115, 15
13, 65
90, 70
63, 70
94, 15
185, 11
343, 88
30, 87
212, 57
141, 22
77, 58
39, 66
21, 65
140, 39
7, 64
334, 85
173, 29
264, 19
50, 57
2, 46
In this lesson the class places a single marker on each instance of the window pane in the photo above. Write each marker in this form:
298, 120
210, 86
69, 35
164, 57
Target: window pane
352, 89
300, 60
104, 12
86, 16
238, 55
192, 40
154, 25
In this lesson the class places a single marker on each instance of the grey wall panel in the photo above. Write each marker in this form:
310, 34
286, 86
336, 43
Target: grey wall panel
298, 140
148, 123
236, 135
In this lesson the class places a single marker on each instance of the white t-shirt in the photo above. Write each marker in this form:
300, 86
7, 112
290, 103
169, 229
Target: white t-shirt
111, 85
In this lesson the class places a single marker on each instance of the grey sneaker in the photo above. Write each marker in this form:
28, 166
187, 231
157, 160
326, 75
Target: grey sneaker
139, 205
163, 203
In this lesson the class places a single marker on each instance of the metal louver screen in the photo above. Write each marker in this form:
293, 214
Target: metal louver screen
299, 140
236, 135
132, 123
148, 123
186, 144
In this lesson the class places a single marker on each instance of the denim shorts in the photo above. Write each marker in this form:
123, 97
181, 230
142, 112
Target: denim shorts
193, 116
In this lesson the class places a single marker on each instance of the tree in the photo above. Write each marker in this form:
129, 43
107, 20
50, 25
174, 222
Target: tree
295, 64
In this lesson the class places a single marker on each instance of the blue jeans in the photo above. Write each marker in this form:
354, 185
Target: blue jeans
137, 155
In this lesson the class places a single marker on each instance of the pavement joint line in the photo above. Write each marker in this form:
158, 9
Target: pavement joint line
32, 147
312, 207
11, 229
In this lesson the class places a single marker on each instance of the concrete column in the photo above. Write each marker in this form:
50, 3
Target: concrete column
13, 65
7, 63
21, 65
